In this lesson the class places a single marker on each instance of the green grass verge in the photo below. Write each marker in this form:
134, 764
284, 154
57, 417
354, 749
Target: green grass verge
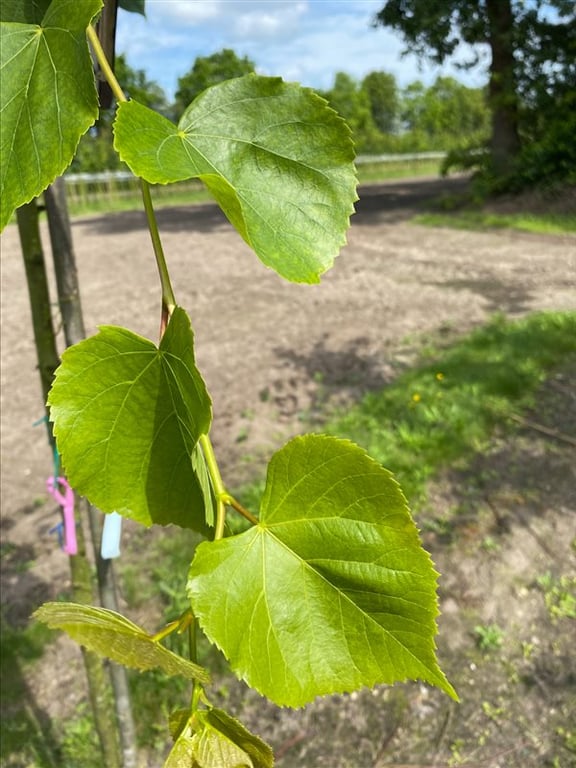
372, 173
552, 224
162, 197
447, 407
192, 193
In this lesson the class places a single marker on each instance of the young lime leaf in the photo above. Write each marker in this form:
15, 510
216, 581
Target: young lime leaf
111, 635
332, 590
219, 724
212, 739
127, 418
277, 159
47, 96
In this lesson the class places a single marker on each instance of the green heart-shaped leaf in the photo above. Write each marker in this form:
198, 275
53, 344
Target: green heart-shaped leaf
47, 96
127, 418
111, 635
277, 159
332, 590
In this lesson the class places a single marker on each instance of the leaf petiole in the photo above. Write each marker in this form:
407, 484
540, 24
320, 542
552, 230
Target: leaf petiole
168, 298
235, 504
180, 625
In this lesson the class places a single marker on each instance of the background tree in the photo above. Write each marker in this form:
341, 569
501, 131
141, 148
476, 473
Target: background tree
95, 151
527, 43
446, 115
352, 102
207, 71
383, 97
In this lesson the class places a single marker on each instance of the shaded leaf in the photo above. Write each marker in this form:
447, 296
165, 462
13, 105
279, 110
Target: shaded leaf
127, 418
47, 96
134, 6
210, 738
228, 728
24, 11
277, 159
111, 635
332, 590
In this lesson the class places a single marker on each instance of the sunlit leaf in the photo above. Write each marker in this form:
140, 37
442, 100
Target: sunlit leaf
127, 418
332, 590
111, 635
47, 95
277, 159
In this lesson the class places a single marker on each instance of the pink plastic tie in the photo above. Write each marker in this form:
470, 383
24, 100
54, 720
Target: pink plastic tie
66, 501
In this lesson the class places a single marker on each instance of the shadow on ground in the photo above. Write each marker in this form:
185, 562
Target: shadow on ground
389, 202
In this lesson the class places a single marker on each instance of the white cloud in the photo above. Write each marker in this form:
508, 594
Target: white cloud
268, 22
187, 12
302, 40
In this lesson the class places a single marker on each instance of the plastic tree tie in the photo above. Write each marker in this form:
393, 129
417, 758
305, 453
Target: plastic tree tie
111, 533
66, 501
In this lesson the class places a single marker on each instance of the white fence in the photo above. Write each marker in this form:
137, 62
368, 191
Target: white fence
87, 189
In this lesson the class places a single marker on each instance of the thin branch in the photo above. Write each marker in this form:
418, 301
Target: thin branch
544, 430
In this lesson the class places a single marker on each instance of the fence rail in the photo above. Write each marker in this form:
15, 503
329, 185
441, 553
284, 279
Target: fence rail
88, 189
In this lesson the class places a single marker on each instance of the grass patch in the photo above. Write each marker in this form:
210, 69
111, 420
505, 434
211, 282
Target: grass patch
128, 198
131, 200
542, 223
371, 173
447, 406
26, 739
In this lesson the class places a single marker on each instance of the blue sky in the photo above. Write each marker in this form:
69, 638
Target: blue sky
301, 40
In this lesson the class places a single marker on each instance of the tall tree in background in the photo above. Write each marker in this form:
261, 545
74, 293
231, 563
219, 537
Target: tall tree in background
207, 71
352, 102
511, 31
382, 92
447, 115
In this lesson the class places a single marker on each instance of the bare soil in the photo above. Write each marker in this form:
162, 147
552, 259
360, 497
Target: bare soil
273, 354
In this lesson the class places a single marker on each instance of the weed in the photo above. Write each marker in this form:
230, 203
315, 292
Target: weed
489, 637
494, 713
489, 544
559, 595
80, 745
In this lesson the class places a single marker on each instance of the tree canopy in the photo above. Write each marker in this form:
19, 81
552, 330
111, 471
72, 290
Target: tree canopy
209, 70
530, 49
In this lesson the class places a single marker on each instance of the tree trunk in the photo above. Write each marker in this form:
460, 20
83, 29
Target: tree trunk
44, 337
48, 360
505, 140
74, 332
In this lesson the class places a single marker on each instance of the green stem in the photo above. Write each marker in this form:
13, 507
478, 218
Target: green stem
105, 66
217, 484
231, 501
168, 299
222, 496
193, 654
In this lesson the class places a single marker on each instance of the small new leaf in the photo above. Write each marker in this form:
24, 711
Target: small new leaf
127, 418
332, 590
47, 95
210, 738
277, 159
111, 635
